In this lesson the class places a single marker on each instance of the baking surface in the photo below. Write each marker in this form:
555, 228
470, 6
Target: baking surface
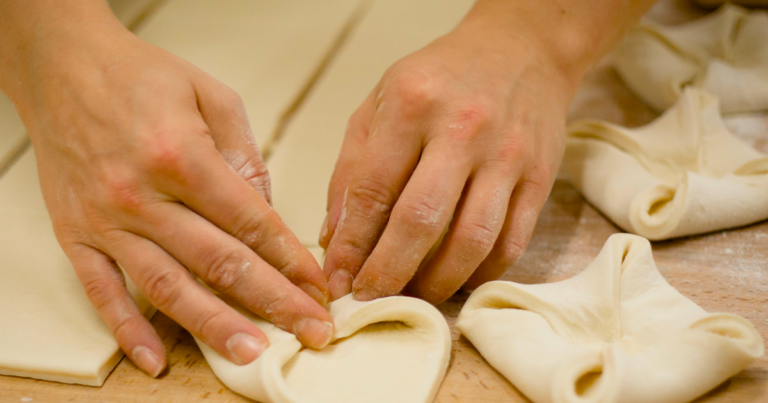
725, 271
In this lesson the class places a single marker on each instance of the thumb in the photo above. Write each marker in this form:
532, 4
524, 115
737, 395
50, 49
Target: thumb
224, 113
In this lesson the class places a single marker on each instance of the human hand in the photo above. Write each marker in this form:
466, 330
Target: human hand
465, 135
148, 163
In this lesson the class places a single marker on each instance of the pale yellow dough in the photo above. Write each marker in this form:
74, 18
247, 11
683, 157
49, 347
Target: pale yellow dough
725, 53
265, 50
393, 349
48, 328
614, 333
682, 174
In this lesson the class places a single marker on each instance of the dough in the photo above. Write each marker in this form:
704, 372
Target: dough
616, 332
393, 349
48, 328
265, 50
725, 53
303, 160
682, 174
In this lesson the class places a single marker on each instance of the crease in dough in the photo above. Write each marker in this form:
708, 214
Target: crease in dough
393, 349
725, 53
616, 332
682, 174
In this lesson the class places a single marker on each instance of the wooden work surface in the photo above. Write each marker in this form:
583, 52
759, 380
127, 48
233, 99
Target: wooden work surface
724, 271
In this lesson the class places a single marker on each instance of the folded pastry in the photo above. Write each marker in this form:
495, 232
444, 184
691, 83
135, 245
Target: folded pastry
725, 53
616, 332
393, 349
682, 174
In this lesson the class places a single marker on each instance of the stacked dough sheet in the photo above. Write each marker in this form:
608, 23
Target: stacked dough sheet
684, 173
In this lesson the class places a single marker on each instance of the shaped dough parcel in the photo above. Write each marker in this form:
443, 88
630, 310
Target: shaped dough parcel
393, 349
682, 174
725, 53
616, 332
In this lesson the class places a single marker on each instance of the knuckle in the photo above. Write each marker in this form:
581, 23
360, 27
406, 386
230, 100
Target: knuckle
231, 98
250, 227
512, 251
372, 195
226, 270
100, 291
414, 91
469, 121
208, 324
161, 287
479, 236
123, 192
165, 152
422, 213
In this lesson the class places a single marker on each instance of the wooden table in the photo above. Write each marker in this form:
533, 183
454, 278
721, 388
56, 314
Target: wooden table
724, 271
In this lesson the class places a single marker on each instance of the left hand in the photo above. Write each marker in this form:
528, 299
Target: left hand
466, 135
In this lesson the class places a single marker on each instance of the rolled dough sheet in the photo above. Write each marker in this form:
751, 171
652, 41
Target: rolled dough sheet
615, 333
265, 50
725, 53
393, 349
303, 160
682, 174
48, 328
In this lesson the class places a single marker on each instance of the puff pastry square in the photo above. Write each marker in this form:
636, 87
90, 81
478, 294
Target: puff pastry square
616, 332
725, 53
682, 174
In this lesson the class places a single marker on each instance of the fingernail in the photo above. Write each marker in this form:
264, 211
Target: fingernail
314, 333
244, 348
340, 283
147, 361
315, 293
323, 230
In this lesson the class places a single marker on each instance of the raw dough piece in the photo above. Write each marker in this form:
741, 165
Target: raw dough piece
616, 332
265, 50
303, 160
392, 349
48, 328
682, 174
725, 53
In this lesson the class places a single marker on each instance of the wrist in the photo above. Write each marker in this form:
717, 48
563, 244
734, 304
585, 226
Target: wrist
40, 37
571, 34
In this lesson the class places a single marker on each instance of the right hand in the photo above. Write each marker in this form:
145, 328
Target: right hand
148, 163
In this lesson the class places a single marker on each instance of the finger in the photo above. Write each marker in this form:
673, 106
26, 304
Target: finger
223, 111
105, 287
231, 268
474, 230
525, 205
390, 156
207, 185
418, 219
349, 157
171, 289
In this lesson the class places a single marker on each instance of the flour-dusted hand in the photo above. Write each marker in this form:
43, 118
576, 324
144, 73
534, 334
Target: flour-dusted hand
149, 164
462, 138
